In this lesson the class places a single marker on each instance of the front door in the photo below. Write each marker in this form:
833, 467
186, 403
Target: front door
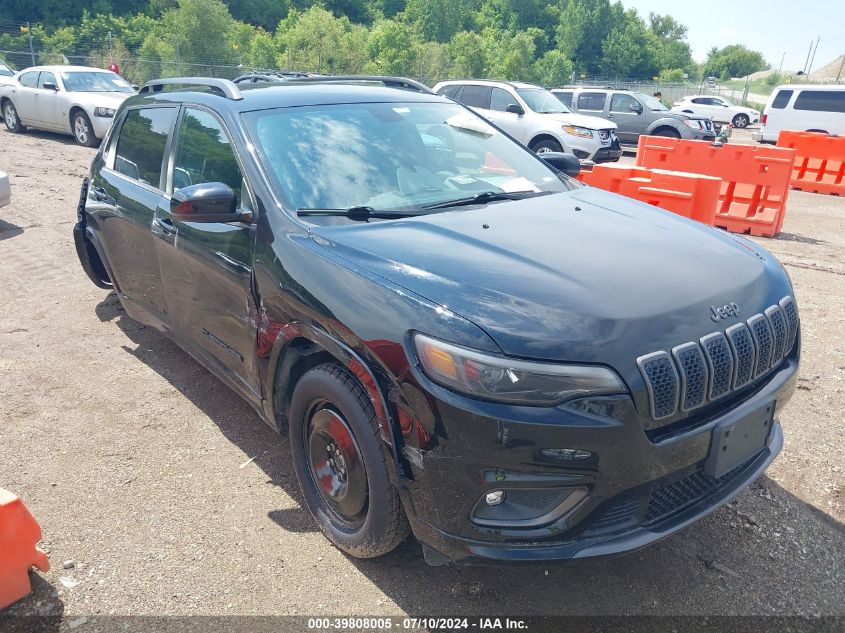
206, 268
498, 113
629, 122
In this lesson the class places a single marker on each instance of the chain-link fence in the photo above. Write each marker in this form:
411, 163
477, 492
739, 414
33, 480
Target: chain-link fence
671, 92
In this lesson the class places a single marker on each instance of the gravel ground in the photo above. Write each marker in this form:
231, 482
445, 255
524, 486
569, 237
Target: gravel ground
167, 495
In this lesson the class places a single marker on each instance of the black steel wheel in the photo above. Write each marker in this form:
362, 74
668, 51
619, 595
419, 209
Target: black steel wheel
341, 465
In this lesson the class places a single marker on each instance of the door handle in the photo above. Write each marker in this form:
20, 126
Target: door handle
100, 194
165, 225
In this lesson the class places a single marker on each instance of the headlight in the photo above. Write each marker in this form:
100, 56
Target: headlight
503, 380
104, 112
574, 130
693, 123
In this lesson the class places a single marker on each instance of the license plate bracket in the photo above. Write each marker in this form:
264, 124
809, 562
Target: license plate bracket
734, 443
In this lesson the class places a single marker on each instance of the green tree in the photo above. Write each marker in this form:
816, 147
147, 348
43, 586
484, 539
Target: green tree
199, 32
468, 55
554, 69
391, 45
627, 50
735, 60
438, 20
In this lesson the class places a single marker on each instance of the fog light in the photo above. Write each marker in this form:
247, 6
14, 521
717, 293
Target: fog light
495, 497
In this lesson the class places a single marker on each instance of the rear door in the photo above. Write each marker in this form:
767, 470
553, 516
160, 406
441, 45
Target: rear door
124, 196
23, 97
592, 102
206, 268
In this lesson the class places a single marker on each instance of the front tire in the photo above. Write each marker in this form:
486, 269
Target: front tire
667, 132
82, 130
11, 119
342, 471
545, 146
741, 120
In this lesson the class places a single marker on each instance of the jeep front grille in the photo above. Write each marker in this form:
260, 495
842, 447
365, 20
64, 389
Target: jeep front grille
718, 364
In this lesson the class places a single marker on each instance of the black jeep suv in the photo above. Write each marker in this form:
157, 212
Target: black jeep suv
459, 339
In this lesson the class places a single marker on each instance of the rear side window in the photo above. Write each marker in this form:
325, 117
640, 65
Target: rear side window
476, 96
564, 97
821, 101
140, 146
782, 99
29, 79
204, 153
591, 101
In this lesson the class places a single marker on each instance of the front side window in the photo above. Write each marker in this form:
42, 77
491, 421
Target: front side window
391, 156
623, 103
46, 77
501, 99
95, 81
204, 153
542, 101
140, 146
30, 80
652, 103
821, 101
782, 98
591, 101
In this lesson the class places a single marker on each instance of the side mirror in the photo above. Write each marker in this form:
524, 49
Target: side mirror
559, 161
635, 107
515, 108
49, 85
206, 202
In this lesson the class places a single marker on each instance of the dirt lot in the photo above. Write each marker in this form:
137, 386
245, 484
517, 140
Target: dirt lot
136, 462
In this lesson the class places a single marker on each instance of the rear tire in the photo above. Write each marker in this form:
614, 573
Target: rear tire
741, 120
82, 130
11, 119
545, 146
337, 454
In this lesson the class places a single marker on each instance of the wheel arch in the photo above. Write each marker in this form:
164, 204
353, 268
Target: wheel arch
74, 108
547, 136
664, 123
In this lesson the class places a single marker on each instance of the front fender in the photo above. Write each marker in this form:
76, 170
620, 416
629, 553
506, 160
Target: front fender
666, 122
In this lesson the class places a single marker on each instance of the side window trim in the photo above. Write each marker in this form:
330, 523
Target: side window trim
116, 137
247, 202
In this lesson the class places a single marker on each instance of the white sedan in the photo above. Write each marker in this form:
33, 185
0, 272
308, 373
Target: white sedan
75, 100
718, 109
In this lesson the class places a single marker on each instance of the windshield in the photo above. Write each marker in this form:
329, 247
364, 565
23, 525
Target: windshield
391, 156
5, 71
542, 101
95, 82
652, 103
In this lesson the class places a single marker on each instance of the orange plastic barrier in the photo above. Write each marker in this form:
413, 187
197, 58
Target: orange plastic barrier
19, 534
755, 179
819, 161
690, 195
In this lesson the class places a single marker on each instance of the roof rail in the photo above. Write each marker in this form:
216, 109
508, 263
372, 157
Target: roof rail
225, 87
390, 82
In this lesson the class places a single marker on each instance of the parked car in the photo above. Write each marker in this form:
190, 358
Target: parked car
462, 341
76, 100
805, 108
635, 113
5, 190
717, 109
534, 117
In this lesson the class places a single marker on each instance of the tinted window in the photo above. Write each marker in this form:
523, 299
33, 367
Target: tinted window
140, 148
204, 154
29, 79
623, 103
591, 101
821, 100
46, 77
782, 99
564, 97
501, 99
449, 91
701, 100
476, 96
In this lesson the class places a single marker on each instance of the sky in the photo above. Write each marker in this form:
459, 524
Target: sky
773, 27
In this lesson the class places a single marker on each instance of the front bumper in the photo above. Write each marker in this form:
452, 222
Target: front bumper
101, 125
595, 149
639, 491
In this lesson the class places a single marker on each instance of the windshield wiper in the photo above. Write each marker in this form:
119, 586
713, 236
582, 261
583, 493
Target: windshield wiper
358, 213
484, 197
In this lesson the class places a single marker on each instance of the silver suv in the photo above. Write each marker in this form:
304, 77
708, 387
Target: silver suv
536, 118
635, 113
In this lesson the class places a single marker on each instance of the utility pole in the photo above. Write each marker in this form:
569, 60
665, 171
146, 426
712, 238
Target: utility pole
31, 49
813, 58
806, 63
780, 68
839, 74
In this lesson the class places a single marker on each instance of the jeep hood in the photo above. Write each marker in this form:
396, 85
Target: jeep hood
584, 275
582, 120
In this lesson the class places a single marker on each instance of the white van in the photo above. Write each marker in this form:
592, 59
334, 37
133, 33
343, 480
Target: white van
803, 108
